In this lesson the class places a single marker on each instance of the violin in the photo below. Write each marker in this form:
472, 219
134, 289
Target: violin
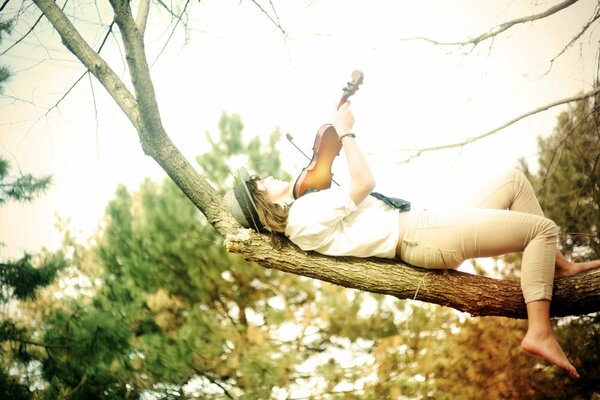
317, 174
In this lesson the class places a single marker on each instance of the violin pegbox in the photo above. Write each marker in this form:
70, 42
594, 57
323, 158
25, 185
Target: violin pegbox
352, 86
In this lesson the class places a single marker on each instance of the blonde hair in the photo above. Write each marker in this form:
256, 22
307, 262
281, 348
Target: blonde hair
272, 215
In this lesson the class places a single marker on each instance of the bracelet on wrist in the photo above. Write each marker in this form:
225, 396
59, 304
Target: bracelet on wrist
352, 135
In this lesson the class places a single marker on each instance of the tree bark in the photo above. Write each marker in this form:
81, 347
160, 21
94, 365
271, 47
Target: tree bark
476, 295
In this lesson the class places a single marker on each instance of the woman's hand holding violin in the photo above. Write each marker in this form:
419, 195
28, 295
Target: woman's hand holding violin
343, 119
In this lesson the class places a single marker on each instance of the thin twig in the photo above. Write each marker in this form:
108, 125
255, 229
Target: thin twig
82, 75
573, 40
22, 37
276, 23
167, 8
95, 114
559, 149
4, 5
498, 29
172, 31
567, 100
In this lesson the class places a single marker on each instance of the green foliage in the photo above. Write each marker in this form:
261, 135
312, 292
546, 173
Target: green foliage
173, 305
568, 180
4, 75
5, 27
20, 280
568, 185
176, 316
262, 159
485, 354
9, 389
23, 188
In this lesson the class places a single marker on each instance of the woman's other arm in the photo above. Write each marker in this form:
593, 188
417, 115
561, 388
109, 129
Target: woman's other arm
362, 181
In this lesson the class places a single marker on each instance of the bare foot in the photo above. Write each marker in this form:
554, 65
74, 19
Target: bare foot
575, 268
546, 346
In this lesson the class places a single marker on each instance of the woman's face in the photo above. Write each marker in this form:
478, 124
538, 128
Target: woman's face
277, 190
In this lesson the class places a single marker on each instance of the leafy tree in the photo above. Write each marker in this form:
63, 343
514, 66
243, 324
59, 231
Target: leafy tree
173, 306
486, 350
568, 180
21, 280
5, 27
173, 314
568, 185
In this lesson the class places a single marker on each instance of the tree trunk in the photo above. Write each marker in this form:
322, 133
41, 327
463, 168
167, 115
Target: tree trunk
476, 295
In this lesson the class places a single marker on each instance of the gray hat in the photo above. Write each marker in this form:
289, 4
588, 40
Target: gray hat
240, 203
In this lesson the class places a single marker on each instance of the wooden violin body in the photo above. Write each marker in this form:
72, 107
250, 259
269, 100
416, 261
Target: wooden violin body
317, 174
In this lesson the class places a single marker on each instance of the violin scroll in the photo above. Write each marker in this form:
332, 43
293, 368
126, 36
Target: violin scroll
352, 86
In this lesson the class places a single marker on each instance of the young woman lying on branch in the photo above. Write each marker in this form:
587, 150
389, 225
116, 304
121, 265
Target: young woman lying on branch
346, 221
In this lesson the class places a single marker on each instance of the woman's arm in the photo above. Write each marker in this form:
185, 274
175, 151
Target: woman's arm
361, 178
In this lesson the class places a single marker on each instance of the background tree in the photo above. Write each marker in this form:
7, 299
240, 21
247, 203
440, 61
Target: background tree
487, 349
22, 278
174, 314
166, 310
165, 317
20, 281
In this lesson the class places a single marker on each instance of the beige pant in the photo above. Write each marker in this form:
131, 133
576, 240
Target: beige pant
506, 218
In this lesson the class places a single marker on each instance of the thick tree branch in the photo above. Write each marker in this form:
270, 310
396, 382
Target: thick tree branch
474, 294
142, 16
4, 5
418, 152
139, 72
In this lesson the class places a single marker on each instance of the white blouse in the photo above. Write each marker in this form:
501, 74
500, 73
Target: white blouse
329, 222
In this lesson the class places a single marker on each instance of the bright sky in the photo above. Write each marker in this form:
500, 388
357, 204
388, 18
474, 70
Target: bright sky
233, 59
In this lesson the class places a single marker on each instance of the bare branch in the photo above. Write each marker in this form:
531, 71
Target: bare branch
68, 91
275, 21
418, 152
139, 71
95, 113
4, 5
575, 38
142, 16
498, 29
91, 60
65, 94
162, 3
22, 37
558, 150
178, 17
